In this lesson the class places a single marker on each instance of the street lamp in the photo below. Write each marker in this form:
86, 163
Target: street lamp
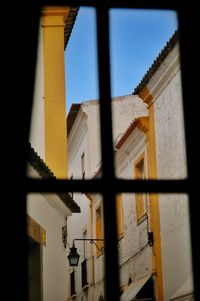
73, 256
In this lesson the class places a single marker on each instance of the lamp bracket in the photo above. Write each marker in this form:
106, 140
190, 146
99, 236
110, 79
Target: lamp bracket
92, 241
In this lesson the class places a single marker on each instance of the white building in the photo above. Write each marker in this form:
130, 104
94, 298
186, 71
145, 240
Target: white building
84, 161
149, 143
46, 217
161, 89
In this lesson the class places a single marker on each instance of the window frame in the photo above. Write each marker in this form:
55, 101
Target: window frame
84, 242
120, 215
19, 116
72, 283
84, 277
83, 165
140, 197
99, 229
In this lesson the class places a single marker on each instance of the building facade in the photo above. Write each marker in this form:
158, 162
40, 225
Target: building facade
161, 90
83, 163
153, 230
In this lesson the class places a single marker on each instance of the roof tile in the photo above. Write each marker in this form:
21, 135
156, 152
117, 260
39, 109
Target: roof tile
43, 170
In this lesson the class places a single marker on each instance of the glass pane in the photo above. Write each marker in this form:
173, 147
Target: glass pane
81, 59
147, 94
46, 231
86, 232
65, 114
53, 228
155, 249
84, 147
154, 245
84, 155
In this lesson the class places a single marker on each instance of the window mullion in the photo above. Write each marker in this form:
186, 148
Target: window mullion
108, 178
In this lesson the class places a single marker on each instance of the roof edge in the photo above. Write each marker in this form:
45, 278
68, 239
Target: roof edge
43, 170
140, 123
69, 24
157, 62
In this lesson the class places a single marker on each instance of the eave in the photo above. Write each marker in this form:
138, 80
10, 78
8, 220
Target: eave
43, 170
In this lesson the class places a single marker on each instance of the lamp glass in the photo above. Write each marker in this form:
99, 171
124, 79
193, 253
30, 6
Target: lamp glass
73, 257
73, 260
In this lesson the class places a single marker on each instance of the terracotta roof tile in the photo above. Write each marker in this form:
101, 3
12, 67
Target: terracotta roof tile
69, 23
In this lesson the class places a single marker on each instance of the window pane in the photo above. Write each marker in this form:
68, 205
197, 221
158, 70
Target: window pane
155, 254
147, 94
81, 59
86, 230
65, 114
82, 97
48, 122
46, 221
154, 247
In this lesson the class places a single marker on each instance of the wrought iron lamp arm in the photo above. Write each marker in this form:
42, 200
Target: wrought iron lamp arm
92, 241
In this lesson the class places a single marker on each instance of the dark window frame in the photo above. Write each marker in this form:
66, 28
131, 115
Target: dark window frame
84, 281
72, 283
83, 165
16, 108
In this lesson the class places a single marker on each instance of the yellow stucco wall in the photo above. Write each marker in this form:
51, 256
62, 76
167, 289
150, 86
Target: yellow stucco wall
53, 19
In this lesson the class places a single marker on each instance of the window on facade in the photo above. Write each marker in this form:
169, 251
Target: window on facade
130, 281
84, 243
83, 166
139, 170
84, 272
72, 194
72, 283
119, 208
99, 230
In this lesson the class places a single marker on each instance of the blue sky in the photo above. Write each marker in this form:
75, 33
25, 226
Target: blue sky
136, 38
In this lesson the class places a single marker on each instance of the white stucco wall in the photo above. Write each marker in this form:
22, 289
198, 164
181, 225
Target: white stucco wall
78, 223
170, 137
78, 143
171, 162
175, 241
124, 110
54, 255
37, 120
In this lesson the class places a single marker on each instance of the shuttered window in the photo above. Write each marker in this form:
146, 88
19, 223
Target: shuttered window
139, 171
120, 220
99, 230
